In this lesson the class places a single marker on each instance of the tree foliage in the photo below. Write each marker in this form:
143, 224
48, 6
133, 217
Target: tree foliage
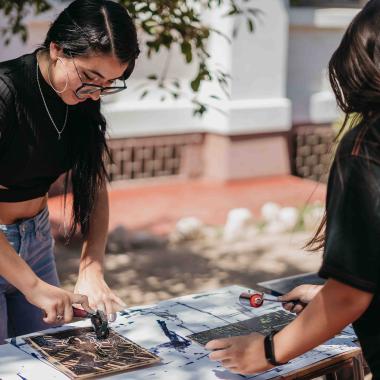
166, 23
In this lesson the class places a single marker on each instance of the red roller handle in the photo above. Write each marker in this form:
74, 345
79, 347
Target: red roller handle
79, 313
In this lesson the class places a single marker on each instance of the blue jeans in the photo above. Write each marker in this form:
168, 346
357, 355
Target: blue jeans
32, 240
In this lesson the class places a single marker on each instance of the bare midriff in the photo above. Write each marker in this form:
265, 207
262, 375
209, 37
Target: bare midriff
12, 212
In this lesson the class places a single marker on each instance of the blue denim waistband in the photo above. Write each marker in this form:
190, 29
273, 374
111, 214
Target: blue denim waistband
27, 225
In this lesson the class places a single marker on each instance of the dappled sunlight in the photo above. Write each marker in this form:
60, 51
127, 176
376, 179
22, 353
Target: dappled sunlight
147, 275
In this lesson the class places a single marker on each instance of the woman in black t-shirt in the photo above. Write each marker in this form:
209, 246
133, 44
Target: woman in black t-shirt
350, 232
50, 124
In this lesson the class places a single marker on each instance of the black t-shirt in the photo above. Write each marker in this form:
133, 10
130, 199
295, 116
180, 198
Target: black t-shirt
352, 251
31, 155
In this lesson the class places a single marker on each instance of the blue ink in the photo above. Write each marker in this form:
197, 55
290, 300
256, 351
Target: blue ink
154, 350
163, 314
22, 377
176, 341
197, 297
202, 311
203, 356
18, 345
41, 341
142, 311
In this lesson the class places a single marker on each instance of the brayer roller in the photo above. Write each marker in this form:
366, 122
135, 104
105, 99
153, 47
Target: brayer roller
257, 299
98, 320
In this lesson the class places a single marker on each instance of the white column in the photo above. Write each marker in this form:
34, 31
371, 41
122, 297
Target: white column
314, 35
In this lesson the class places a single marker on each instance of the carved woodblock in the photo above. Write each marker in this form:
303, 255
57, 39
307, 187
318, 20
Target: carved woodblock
80, 355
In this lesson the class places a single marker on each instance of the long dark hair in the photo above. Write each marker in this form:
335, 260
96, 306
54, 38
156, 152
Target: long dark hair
354, 72
85, 27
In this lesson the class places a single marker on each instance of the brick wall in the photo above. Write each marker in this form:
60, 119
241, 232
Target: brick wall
313, 151
150, 157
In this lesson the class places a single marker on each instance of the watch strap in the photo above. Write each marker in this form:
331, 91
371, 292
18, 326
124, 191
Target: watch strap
269, 349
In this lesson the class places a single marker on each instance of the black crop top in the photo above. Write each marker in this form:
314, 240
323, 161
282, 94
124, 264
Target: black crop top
31, 155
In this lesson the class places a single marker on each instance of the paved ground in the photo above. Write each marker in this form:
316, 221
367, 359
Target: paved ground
147, 275
156, 269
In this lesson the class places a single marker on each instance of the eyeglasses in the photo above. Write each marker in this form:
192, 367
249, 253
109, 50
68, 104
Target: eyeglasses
89, 88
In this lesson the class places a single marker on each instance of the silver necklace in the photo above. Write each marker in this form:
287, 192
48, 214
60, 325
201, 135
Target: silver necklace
48, 112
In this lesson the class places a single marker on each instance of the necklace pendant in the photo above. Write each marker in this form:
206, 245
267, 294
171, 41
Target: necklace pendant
47, 109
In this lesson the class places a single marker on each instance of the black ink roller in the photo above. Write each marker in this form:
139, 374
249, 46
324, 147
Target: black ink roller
98, 319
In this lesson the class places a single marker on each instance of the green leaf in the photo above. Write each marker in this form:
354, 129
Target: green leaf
186, 51
167, 40
251, 26
199, 110
195, 84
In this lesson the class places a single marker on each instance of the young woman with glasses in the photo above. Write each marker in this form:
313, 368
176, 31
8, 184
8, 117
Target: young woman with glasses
350, 231
50, 124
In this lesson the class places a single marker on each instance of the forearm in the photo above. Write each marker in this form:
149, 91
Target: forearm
14, 269
333, 308
95, 242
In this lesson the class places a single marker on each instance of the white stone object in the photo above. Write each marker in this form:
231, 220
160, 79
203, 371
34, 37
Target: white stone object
189, 228
270, 211
288, 216
275, 227
239, 221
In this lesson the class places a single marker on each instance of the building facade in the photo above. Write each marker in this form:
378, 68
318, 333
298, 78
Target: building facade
278, 92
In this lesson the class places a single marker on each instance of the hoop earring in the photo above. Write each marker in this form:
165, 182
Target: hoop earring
50, 82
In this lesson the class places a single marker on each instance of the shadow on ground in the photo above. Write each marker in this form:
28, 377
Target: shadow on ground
146, 275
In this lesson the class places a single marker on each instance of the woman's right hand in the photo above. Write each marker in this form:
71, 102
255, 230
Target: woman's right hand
303, 294
55, 302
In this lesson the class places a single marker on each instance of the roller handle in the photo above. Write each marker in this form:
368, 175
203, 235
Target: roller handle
80, 313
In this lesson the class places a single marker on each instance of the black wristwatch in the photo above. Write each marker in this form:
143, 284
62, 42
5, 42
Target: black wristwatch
269, 349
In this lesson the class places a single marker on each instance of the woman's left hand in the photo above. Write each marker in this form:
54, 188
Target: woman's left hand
241, 354
100, 296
